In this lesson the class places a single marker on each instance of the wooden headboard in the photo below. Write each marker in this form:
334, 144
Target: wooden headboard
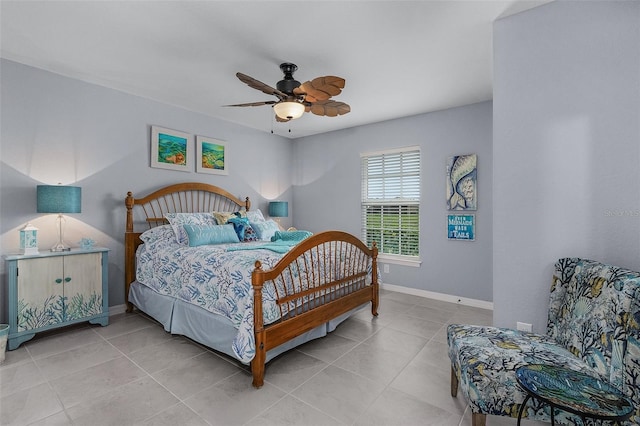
190, 197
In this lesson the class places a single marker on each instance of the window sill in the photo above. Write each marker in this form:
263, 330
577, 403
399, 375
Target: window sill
399, 260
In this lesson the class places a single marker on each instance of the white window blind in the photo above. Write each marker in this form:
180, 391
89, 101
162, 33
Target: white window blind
391, 201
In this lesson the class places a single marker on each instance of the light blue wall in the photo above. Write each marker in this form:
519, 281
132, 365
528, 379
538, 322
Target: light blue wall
566, 147
57, 129
327, 192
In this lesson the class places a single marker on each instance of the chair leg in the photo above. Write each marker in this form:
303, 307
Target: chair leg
454, 383
478, 419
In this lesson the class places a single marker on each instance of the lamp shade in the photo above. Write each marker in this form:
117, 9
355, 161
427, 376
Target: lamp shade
289, 110
59, 199
279, 209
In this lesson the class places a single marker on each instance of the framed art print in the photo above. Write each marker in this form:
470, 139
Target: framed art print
212, 156
171, 149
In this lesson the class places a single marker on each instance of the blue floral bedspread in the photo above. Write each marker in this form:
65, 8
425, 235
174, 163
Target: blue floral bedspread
213, 278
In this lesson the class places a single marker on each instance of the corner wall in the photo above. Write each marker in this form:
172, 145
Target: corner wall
327, 193
566, 147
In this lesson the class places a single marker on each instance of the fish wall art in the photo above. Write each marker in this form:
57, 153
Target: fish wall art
462, 176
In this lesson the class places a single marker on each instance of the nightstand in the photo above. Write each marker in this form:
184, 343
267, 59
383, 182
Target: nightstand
55, 289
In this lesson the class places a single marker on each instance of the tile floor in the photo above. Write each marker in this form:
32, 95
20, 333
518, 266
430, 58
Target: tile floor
391, 370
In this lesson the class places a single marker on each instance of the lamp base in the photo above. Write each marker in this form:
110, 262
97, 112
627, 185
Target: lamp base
60, 247
277, 221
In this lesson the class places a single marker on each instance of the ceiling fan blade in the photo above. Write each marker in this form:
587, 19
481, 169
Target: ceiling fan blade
252, 104
258, 85
321, 88
281, 120
329, 108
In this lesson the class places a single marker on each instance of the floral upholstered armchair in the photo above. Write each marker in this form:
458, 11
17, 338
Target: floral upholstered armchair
593, 326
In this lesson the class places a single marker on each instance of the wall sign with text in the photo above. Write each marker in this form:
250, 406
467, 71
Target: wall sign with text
461, 227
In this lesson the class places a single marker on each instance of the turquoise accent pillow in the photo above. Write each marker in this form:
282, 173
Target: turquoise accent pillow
266, 229
200, 235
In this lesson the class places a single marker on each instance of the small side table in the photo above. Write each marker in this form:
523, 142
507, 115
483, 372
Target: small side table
572, 391
49, 290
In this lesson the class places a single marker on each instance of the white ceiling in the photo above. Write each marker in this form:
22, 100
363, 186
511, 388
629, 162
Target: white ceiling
399, 58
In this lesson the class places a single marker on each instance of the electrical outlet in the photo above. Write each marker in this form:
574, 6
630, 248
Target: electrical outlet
386, 268
523, 326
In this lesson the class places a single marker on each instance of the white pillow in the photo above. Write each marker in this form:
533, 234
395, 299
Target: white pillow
162, 232
255, 216
178, 219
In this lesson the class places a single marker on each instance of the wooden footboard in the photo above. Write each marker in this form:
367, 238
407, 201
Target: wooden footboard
323, 277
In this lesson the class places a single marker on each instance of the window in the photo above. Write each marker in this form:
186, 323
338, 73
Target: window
391, 202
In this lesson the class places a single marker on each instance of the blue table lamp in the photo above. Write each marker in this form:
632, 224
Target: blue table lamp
59, 199
279, 209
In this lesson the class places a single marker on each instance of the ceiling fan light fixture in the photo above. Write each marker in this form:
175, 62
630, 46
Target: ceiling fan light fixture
294, 99
289, 110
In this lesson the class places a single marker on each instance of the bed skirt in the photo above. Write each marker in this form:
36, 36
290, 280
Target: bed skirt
214, 331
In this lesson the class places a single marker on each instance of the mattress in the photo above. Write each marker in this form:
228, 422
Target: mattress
215, 278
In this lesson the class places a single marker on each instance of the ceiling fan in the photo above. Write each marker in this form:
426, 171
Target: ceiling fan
294, 98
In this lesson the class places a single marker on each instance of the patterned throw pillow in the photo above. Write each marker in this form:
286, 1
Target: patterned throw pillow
243, 229
178, 219
250, 234
200, 235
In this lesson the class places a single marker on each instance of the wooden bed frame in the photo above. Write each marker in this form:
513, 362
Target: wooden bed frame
329, 288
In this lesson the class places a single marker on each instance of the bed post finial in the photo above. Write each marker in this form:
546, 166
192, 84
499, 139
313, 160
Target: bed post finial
129, 203
247, 204
130, 244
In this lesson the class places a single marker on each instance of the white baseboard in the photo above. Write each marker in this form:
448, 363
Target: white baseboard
117, 309
121, 309
439, 296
